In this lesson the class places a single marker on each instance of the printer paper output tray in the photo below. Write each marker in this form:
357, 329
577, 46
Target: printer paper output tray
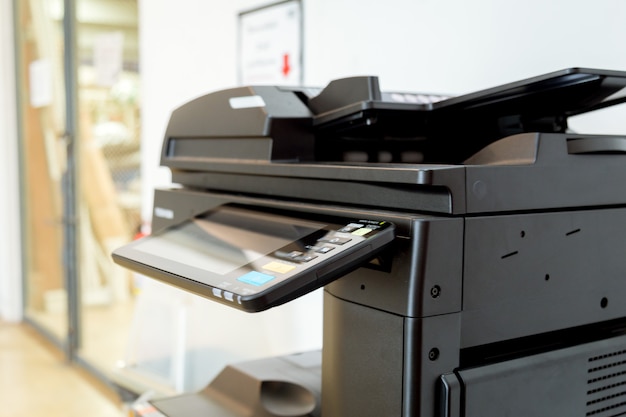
281, 386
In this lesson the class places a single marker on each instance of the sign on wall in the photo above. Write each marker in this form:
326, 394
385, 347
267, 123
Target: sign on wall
270, 44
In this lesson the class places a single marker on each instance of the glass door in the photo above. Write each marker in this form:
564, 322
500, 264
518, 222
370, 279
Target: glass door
108, 192
79, 144
40, 46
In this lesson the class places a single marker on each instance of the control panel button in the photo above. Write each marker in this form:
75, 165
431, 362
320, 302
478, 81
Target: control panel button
335, 240
256, 278
320, 249
305, 258
362, 231
288, 255
351, 227
279, 267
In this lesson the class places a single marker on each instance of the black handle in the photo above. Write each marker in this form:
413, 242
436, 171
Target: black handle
601, 145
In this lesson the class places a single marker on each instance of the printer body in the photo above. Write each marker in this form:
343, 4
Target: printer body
503, 289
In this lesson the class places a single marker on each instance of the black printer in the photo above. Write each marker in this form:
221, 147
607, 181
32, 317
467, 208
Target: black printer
472, 249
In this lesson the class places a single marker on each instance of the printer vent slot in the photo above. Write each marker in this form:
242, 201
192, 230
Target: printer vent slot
606, 385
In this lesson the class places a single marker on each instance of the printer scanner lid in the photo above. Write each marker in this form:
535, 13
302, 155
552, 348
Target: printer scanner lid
350, 143
308, 124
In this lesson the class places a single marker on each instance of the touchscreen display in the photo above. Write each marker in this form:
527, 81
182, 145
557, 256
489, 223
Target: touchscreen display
212, 244
253, 259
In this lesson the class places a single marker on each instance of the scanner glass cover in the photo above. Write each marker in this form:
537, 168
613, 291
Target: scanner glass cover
254, 260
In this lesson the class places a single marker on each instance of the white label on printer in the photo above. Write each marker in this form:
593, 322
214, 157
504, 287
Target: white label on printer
164, 213
246, 102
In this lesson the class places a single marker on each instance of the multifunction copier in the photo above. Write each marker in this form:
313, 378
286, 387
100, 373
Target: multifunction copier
472, 249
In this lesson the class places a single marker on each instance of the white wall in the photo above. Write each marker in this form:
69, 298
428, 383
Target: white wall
460, 46
186, 49
10, 275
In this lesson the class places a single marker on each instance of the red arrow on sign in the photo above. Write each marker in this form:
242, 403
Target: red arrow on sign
286, 67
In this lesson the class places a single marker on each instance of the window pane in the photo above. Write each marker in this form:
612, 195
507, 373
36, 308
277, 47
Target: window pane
42, 110
108, 176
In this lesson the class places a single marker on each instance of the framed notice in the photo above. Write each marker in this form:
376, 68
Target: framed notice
270, 44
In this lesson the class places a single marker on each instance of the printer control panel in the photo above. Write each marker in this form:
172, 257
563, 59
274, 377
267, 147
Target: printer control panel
301, 255
254, 259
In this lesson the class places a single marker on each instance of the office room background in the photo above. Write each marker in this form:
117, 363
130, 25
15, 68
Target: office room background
187, 48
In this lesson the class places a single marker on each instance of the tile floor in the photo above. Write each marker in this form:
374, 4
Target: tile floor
36, 381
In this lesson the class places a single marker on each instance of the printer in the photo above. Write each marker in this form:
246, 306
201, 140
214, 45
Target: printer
472, 249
